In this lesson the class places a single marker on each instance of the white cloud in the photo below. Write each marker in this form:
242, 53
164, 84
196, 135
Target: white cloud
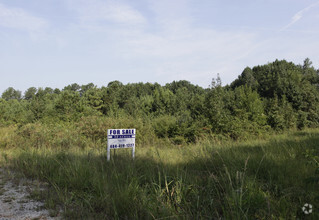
299, 15
176, 48
17, 18
194, 54
111, 11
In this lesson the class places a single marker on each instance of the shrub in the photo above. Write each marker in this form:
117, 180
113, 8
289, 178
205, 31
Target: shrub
165, 126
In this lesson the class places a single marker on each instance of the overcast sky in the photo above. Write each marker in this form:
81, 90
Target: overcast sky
53, 43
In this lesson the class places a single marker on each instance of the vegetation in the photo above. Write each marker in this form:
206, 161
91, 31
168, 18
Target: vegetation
196, 157
274, 97
262, 179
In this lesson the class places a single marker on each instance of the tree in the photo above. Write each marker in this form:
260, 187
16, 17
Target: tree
115, 84
307, 63
56, 91
280, 113
93, 98
175, 85
11, 93
216, 82
68, 105
215, 108
246, 78
278, 78
309, 72
30, 93
73, 87
248, 105
48, 90
39, 103
14, 111
86, 87
163, 101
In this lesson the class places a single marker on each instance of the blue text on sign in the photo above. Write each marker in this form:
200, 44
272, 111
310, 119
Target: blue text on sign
121, 132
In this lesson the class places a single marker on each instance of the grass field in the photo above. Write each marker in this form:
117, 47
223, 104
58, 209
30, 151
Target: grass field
270, 178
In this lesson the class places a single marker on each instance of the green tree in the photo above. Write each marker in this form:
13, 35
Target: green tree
280, 114
11, 93
249, 106
73, 87
48, 90
93, 98
163, 101
309, 72
86, 87
68, 105
246, 78
30, 93
40, 102
15, 112
215, 107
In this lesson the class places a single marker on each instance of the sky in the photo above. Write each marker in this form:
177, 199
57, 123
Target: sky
54, 43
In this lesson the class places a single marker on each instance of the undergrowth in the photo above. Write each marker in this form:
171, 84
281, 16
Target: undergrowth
262, 179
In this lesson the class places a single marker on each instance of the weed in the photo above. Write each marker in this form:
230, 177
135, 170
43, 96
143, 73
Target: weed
261, 179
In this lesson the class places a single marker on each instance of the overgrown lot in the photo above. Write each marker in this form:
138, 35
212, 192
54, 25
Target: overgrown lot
270, 178
195, 156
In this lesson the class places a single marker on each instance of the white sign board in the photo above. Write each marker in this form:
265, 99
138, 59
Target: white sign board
120, 138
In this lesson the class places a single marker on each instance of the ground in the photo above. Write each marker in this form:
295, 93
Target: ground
15, 199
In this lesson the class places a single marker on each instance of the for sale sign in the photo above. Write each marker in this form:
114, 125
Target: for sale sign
120, 138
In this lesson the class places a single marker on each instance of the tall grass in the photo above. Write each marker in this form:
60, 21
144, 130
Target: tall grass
262, 179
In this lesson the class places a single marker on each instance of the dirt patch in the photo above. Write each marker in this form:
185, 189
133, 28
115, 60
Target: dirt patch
15, 199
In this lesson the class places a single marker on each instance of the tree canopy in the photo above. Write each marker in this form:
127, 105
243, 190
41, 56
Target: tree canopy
275, 96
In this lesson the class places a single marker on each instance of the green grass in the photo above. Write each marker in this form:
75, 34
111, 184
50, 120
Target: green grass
262, 179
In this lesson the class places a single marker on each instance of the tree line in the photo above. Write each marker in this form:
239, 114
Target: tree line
273, 97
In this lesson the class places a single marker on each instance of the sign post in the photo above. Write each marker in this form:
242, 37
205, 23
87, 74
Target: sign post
120, 138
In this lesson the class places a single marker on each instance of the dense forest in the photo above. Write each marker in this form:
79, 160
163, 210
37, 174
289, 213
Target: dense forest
273, 97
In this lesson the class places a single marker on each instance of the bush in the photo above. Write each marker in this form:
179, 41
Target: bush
165, 126
7, 136
95, 127
49, 136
